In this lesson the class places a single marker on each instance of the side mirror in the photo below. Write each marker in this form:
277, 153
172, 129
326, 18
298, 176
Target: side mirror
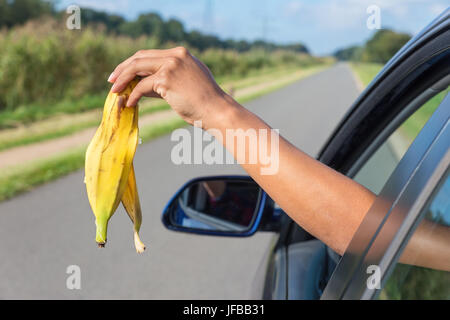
223, 205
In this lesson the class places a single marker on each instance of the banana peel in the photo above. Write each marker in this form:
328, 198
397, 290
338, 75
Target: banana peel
109, 170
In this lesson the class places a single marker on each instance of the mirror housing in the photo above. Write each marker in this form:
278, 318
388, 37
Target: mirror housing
221, 206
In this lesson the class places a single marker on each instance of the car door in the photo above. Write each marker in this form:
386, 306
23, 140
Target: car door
410, 219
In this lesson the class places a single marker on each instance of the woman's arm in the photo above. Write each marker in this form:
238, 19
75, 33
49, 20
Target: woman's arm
324, 202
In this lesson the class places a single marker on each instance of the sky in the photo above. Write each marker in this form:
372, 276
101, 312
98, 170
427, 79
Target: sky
323, 25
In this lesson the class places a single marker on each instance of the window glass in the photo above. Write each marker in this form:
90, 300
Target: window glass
430, 244
375, 172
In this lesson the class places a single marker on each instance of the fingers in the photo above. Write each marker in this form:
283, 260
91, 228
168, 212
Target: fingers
139, 66
142, 54
139, 54
113, 76
144, 87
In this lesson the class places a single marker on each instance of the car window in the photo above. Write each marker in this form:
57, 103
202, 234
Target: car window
377, 169
413, 282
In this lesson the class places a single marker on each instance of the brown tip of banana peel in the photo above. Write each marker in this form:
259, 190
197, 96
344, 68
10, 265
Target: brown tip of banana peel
101, 245
121, 102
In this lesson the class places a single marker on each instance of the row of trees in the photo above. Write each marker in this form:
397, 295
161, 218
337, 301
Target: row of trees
16, 12
153, 25
380, 48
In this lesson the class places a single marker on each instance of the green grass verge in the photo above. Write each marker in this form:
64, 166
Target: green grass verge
366, 71
412, 126
32, 113
29, 139
23, 178
6, 141
269, 89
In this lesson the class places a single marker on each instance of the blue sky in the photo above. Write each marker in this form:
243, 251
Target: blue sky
323, 25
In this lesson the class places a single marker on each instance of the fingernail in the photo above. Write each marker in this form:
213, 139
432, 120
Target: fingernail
110, 77
113, 88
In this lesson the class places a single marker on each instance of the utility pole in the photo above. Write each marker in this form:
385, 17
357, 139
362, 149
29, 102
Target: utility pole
265, 21
208, 17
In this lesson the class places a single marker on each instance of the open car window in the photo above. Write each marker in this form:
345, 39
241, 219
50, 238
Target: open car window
397, 214
377, 169
430, 242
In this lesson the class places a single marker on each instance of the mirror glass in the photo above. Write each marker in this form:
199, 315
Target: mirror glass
217, 205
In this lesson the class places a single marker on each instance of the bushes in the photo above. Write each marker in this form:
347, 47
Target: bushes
378, 49
42, 62
230, 62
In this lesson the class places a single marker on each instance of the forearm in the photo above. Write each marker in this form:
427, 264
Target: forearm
428, 246
324, 202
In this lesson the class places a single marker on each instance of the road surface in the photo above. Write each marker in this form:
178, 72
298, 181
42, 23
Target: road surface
44, 231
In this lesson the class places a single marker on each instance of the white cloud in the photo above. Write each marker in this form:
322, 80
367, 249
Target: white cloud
292, 7
437, 9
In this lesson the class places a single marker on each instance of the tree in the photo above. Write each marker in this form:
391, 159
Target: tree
150, 24
14, 12
383, 45
352, 53
174, 30
111, 21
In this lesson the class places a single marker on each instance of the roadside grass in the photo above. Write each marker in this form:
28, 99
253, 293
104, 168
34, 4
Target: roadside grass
42, 124
22, 178
63, 125
301, 74
412, 126
24, 115
366, 71
25, 138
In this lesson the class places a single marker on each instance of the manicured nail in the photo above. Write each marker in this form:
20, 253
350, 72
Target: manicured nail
113, 88
110, 77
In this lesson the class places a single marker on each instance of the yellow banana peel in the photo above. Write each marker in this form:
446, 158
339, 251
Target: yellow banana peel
109, 171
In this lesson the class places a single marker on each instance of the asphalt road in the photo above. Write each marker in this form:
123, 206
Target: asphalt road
44, 231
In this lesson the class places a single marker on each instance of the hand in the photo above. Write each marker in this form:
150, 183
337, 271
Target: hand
175, 76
